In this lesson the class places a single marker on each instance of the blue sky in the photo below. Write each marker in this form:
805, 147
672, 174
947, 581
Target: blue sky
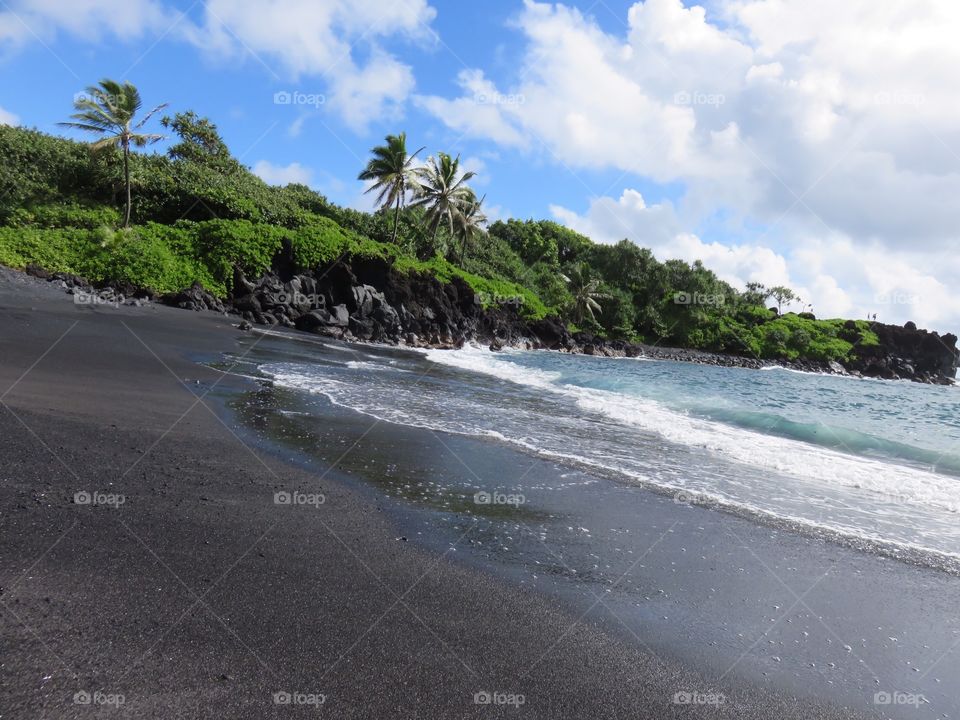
750, 134
238, 96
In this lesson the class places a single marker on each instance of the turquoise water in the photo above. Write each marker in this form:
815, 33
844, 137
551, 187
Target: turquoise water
864, 459
902, 421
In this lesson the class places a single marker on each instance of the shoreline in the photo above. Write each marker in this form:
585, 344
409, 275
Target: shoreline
902, 552
765, 551
499, 329
198, 595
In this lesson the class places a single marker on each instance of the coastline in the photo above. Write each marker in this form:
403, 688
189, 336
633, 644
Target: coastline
879, 622
906, 552
447, 317
194, 596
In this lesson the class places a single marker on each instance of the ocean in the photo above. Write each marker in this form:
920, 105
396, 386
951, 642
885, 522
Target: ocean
770, 527
865, 461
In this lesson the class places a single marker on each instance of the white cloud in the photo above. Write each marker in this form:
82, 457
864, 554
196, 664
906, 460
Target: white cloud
847, 130
658, 228
283, 174
474, 114
630, 217
299, 39
23, 21
372, 92
840, 277
8, 118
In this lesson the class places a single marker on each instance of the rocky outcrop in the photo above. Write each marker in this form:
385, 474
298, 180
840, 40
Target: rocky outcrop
194, 298
86, 293
371, 302
367, 300
905, 352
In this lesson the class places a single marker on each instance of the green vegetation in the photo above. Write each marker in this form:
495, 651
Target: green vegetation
196, 213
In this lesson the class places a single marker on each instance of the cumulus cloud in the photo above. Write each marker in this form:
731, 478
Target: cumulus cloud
24, 20
8, 118
318, 38
846, 131
656, 226
476, 113
283, 174
629, 217
838, 277
375, 91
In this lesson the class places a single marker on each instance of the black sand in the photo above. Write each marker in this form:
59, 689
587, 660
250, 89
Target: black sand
199, 597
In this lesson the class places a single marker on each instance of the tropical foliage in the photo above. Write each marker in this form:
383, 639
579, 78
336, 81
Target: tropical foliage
392, 171
108, 110
195, 212
443, 191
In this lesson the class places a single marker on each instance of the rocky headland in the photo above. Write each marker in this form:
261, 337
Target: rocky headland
368, 301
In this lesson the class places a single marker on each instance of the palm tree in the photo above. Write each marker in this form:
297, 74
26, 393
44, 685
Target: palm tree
442, 191
109, 110
470, 221
393, 172
585, 292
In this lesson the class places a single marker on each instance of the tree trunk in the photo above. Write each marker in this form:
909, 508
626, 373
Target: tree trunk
126, 178
396, 219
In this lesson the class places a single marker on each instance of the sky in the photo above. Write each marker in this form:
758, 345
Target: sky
809, 143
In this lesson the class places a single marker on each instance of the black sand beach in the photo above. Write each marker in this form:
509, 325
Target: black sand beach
200, 597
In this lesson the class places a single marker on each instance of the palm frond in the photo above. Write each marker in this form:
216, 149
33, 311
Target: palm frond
150, 114
104, 143
141, 140
83, 126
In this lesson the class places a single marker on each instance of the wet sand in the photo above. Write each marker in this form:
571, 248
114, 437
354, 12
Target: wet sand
199, 596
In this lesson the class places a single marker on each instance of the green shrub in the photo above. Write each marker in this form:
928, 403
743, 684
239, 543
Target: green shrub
223, 244
66, 215
37, 169
145, 256
320, 242
57, 250
199, 213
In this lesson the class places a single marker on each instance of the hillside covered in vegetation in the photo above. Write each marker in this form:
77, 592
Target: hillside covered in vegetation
196, 213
